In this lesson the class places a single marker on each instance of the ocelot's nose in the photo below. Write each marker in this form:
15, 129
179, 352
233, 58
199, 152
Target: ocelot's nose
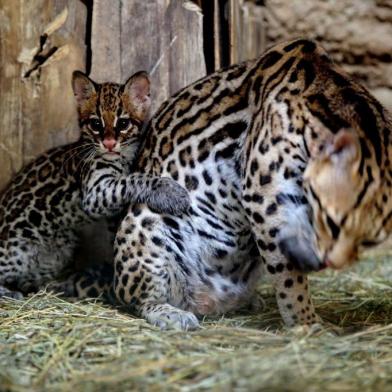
109, 143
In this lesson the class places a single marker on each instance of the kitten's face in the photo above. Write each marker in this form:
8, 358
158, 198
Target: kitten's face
111, 115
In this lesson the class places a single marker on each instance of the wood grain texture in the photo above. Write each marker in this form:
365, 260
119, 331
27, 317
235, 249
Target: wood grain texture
105, 41
247, 30
11, 132
37, 107
187, 62
162, 37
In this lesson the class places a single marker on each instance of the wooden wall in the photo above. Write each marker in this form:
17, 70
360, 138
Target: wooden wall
164, 38
43, 41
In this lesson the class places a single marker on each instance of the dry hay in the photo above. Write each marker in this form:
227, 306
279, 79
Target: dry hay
50, 344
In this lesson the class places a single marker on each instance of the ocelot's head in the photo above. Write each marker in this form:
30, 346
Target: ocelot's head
347, 177
350, 197
111, 115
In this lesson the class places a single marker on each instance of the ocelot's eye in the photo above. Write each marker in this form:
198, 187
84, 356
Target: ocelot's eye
123, 124
95, 125
369, 243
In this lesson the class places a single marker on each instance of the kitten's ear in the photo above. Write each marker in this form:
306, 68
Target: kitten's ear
138, 89
83, 87
344, 147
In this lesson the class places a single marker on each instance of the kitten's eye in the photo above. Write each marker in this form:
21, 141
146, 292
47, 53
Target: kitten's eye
95, 124
123, 124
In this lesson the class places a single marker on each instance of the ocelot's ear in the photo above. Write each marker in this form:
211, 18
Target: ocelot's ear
343, 148
83, 87
137, 87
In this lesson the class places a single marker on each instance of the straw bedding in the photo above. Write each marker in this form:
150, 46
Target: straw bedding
49, 344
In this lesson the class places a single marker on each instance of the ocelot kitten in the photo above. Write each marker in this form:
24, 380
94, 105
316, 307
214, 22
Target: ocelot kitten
239, 140
45, 207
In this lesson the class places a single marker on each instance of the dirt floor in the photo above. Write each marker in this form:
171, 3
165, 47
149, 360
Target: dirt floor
48, 344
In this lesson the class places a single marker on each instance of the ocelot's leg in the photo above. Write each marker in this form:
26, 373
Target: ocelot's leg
93, 282
15, 277
272, 213
151, 269
291, 285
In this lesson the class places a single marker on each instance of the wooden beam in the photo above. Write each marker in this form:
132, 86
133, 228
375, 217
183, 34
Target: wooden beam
217, 36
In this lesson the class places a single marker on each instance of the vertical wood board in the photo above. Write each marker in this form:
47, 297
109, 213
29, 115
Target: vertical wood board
162, 37
247, 30
42, 42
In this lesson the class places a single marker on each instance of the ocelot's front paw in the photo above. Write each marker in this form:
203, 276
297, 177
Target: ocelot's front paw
65, 288
6, 293
167, 317
301, 254
169, 197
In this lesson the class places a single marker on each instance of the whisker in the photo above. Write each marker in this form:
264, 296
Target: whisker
74, 152
86, 153
86, 157
87, 161
79, 151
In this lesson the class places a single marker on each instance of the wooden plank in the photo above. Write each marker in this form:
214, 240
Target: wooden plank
253, 31
235, 29
42, 42
217, 36
187, 62
11, 133
247, 30
106, 41
163, 37
144, 42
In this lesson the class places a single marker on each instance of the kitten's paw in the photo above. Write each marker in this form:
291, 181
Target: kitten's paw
169, 197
